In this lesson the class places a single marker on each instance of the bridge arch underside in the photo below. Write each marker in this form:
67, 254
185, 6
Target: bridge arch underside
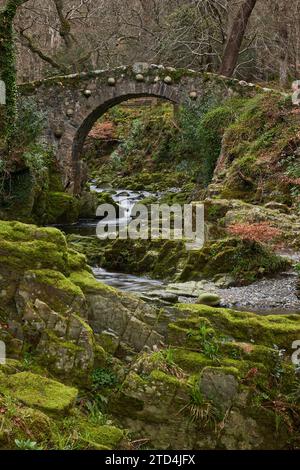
167, 94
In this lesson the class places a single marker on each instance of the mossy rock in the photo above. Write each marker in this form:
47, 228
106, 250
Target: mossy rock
100, 437
51, 287
24, 247
61, 208
190, 361
86, 282
269, 330
11, 366
23, 424
244, 260
90, 246
209, 299
76, 261
39, 392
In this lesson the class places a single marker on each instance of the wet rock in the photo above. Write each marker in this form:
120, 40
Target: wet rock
165, 296
224, 281
186, 289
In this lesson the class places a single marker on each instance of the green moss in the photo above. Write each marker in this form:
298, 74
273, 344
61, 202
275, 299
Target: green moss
19, 232
190, 360
101, 437
23, 424
76, 261
26, 246
88, 283
59, 344
55, 181
255, 353
210, 132
224, 370
264, 132
62, 208
166, 379
244, 260
39, 392
56, 280
269, 330
32, 254
11, 366
8, 70
90, 246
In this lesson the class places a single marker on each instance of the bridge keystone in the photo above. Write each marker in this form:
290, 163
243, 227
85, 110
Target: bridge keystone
87, 93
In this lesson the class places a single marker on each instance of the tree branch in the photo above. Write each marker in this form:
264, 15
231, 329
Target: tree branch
28, 42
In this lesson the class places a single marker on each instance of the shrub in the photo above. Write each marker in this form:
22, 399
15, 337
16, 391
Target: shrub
259, 232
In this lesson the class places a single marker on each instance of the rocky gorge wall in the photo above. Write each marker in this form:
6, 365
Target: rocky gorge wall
206, 377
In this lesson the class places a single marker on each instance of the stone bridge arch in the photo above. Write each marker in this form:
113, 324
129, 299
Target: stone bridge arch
73, 103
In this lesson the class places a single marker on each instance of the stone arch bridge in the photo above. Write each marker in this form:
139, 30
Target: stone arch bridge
73, 103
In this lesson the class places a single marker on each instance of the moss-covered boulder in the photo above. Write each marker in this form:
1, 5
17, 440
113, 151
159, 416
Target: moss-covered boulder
38, 413
244, 260
268, 330
106, 437
39, 392
53, 305
209, 299
61, 208
23, 426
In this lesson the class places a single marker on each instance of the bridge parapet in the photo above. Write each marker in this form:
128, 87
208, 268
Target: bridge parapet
141, 72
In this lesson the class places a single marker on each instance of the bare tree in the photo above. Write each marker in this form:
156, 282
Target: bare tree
235, 38
66, 36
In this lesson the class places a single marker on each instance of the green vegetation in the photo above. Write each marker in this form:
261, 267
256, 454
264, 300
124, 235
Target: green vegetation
102, 378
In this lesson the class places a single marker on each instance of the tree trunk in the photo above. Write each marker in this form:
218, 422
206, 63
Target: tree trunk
8, 69
235, 38
283, 38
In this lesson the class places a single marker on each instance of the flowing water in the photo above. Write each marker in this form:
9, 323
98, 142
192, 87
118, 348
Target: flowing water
127, 282
126, 200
